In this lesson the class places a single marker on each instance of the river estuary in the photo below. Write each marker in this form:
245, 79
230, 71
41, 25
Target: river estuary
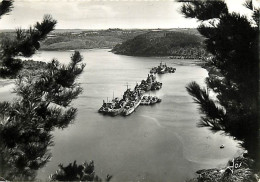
156, 143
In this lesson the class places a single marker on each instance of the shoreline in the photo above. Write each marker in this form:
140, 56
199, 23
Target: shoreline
199, 61
59, 49
161, 56
237, 169
110, 49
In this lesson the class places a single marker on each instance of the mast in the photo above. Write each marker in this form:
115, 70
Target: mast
127, 85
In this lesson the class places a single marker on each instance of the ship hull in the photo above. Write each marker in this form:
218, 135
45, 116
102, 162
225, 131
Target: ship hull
116, 112
132, 109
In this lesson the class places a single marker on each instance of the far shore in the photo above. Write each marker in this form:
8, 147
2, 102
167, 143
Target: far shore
110, 50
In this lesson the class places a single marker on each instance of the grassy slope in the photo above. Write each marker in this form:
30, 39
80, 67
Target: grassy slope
80, 43
87, 39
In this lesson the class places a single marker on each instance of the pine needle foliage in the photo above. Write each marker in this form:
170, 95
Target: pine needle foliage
25, 43
232, 40
5, 7
43, 101
75, 172
43, 104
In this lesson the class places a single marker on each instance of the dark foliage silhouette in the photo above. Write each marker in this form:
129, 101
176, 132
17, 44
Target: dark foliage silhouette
75, 172
43, 104
5, 7
232, 40
25, 43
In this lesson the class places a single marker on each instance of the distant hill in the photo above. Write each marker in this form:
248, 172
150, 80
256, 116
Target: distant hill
71, 39
178, 44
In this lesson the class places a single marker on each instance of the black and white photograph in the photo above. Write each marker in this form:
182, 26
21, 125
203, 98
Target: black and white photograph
130, 90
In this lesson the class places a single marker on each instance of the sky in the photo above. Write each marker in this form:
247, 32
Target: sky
104, 14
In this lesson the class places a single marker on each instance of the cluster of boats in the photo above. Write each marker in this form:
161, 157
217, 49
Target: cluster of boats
132, 98
162, 68
150, 100
150, 83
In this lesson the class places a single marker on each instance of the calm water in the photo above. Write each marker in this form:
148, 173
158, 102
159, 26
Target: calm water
155, 143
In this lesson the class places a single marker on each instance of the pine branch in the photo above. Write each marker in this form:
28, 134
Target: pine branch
214, 116
256, 17
41, 107
204, 10
45, 27
249, 4
75, 172
5, 7
25, 44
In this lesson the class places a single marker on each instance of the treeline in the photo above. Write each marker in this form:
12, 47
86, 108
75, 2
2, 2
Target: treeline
163, 43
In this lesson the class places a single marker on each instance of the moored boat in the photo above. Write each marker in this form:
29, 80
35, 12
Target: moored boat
153, 70
118, 109
113, 107
106, 106
162, 68
145, 101
149, 100
131, 106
